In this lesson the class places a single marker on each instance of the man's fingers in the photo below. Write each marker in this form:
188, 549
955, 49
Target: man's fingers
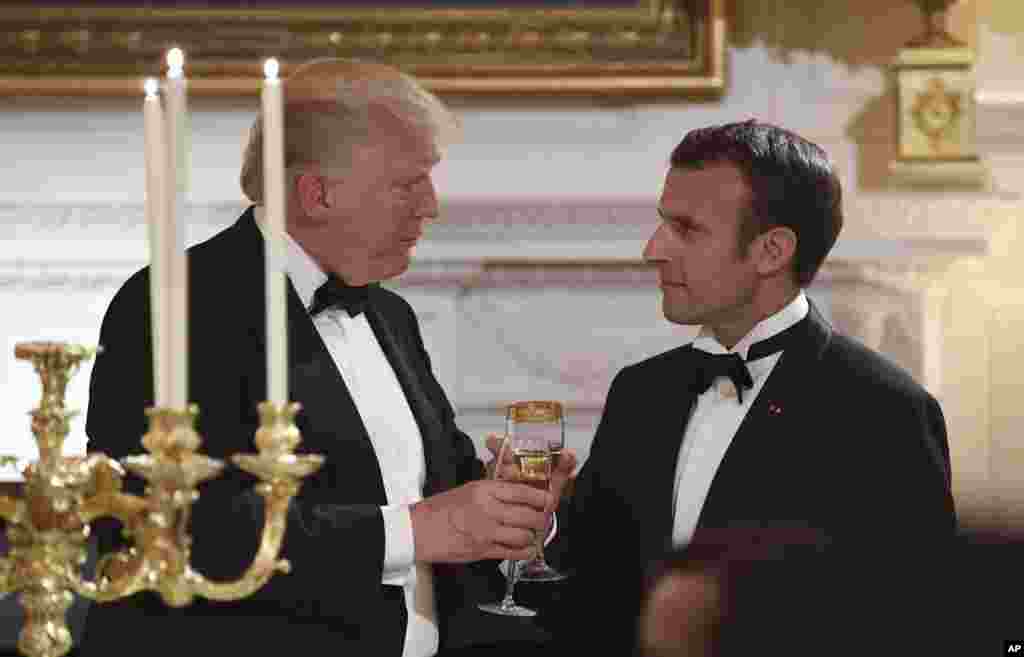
561, 475
508, 472
493, 443
566, 463
511, 492
514, 538
523, 517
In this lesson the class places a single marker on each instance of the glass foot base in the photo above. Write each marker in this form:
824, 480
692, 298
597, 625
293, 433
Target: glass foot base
539, 572
507, 609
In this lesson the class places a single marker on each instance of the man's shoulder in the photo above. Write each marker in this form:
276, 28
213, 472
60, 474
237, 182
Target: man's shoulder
857, 365
132, 296
221, 254
223, 248
656, 365
390, 303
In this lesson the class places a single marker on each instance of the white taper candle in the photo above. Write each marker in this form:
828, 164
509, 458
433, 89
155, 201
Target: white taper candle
159, 242
274, 224
175, 193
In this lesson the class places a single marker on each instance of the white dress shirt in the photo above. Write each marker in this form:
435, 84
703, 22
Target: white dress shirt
717, 416
396, 439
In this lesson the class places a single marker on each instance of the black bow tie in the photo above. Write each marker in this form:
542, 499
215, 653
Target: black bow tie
336, 293
711, 366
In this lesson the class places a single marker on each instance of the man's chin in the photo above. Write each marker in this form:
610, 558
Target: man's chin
682, 319
394, 269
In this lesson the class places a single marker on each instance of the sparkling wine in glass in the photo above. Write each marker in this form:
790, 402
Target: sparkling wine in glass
529, 463
539, 422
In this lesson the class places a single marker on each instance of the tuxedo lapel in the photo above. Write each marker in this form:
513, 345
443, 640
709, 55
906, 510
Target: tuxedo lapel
746, 470
329, 418
671, 412
440, 470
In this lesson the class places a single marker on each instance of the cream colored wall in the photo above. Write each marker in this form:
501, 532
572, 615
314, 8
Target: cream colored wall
984, 316
985, 344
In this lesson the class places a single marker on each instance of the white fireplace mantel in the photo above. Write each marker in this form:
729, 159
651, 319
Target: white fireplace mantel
878, 227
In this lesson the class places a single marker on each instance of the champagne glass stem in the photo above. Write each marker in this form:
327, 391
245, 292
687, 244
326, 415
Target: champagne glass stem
508, 602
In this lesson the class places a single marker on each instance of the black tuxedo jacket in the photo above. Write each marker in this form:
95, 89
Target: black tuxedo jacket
839, 443
335, 534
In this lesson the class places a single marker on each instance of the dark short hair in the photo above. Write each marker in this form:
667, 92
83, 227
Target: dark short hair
792, 184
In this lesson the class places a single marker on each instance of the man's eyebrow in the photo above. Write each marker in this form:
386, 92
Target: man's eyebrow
679, 218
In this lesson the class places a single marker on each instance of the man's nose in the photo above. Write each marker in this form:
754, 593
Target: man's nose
652, 251
429, 207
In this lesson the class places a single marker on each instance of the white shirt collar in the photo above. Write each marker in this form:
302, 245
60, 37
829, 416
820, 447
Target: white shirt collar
305, 274
794, 311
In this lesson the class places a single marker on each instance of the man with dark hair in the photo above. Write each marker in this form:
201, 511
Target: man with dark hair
769, 419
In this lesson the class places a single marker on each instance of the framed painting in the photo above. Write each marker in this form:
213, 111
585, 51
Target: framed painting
536, 47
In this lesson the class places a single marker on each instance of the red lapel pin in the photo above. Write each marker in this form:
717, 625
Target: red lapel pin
774, 408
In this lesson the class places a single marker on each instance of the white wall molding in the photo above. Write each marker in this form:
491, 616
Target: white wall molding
514, 295
878, 227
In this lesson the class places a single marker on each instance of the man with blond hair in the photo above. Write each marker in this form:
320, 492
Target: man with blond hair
392, 541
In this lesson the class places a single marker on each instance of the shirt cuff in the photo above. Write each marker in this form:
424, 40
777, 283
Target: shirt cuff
399, 546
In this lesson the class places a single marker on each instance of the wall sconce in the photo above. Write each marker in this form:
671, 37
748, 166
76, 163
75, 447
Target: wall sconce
936, 107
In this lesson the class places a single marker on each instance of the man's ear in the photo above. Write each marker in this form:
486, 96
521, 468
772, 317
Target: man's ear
775, 250
311, 193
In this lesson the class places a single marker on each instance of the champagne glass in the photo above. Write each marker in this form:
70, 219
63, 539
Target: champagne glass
527, 459
539, 422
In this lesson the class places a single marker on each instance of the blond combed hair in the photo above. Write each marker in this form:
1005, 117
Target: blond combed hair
327, 114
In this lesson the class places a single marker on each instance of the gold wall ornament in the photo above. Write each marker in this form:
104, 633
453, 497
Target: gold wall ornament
935, 106
936, 113
675, 47
48, 525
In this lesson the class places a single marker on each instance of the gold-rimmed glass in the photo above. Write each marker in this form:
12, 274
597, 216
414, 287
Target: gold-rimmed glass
539, 421
528, 461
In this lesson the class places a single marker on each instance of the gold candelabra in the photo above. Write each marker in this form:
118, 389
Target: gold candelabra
48, 525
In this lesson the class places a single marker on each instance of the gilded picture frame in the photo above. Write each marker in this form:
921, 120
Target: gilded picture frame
463, 47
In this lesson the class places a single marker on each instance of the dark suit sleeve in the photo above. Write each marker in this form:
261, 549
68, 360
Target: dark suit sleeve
578, 517
595, 608
907, 486
468, 466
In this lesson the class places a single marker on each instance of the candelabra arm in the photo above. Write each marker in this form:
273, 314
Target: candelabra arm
129, 509
7, 583
122, 573
12, 509
125, 577
13, 512
266, 563
281, 472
